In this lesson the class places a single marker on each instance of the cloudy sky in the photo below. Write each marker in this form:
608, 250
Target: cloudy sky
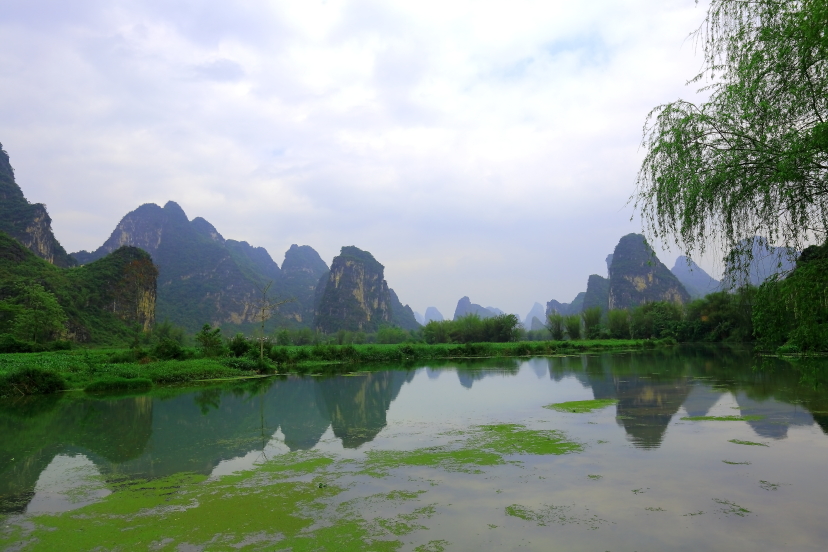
480, 148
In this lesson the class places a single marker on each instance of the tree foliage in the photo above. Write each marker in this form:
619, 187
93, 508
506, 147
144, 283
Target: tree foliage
572, 323
556, 326
752, 159
34, 313
794, 310
502, 328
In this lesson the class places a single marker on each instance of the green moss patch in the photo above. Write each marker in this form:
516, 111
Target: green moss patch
750, 443
749, 418
581, 407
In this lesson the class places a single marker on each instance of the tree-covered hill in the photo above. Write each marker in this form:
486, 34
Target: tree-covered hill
102, 302
205, 278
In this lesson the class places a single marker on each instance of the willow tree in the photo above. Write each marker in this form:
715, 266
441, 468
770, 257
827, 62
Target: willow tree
752, 159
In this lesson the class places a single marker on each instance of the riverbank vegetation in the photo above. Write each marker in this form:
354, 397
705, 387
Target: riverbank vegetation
99, 370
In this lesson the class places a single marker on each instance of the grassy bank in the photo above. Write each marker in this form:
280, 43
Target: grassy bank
91, 368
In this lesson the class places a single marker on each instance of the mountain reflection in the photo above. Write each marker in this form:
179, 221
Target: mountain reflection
147, 437
194, 431
652, 387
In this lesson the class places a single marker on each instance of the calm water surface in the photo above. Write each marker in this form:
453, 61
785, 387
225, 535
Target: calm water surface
644, 479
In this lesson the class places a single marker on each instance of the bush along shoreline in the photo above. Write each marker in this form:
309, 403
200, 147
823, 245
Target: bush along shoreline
112, 371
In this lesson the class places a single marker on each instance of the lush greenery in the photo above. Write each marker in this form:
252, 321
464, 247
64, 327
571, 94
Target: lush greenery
101, 302
753, 158
716, 317
502, 328
109, 370
792, 313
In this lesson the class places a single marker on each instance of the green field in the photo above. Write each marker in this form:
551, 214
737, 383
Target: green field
82, 367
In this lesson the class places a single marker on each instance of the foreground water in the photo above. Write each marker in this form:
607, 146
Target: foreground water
448, 457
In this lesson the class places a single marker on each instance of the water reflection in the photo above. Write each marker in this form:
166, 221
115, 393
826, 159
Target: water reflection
195, 431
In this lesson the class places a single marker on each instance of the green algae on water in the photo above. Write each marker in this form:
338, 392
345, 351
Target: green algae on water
484, 445
547, 514
748, 418
751, 443
278, 505
731, 508
581, 407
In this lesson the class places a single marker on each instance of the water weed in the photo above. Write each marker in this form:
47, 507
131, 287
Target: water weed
581, 407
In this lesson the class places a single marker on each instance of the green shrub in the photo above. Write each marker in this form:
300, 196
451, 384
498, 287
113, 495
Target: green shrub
239, 345
556, 326
31, 380
167, 349
592, 322
118, 385
619, 324
242, 363
210, 342
788, 349
10, 344
573, 326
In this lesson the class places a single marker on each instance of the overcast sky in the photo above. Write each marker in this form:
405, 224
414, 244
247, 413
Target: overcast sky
475, 148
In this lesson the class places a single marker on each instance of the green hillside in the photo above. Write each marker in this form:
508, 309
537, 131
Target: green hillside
102, 302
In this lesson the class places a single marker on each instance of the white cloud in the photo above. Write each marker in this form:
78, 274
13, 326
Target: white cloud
476, 148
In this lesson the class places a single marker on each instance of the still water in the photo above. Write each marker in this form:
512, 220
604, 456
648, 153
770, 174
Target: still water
439, 457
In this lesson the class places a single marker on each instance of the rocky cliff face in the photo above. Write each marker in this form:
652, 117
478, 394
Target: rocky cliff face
28, 223
696, 281
133, 294
637, 276
575, 307
402, 315
203, 278
302, 272
355, 295
597, 293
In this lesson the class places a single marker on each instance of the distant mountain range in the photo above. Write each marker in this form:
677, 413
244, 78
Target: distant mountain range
697, 282
465, 307
202, 276
205, 278
636, 276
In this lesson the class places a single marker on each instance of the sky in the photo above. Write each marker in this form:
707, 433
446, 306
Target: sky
476, 148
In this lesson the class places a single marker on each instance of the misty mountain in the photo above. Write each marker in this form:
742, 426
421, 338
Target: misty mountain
536, 311
758, 261
575, 307
697, 282
465, 307
432, 313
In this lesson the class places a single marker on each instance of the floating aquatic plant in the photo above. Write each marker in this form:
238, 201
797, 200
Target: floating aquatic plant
581, 407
